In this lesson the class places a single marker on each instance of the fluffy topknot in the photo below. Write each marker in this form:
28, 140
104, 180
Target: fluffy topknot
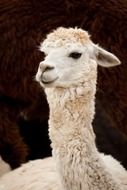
62, 36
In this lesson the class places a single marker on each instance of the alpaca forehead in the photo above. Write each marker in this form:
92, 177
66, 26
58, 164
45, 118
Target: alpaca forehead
66, 38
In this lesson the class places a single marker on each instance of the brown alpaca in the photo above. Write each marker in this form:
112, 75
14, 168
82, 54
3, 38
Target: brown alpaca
23, 24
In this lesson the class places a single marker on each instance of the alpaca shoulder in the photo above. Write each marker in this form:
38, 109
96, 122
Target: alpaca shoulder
116, 169
32, 175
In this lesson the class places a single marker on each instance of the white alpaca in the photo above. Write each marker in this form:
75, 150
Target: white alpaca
69, 74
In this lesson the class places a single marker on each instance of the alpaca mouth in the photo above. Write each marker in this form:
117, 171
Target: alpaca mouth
49, 81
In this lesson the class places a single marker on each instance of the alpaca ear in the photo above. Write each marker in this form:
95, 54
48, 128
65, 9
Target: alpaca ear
106, 59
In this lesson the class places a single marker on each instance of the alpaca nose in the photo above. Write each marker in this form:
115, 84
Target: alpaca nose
45, 68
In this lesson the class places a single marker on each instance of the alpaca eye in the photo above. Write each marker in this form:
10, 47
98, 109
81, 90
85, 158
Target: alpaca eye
75, 55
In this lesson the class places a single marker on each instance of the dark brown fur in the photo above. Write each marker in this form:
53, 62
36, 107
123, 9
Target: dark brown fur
23, 25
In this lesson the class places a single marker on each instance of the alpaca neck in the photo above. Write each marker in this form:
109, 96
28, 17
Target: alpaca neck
73, 142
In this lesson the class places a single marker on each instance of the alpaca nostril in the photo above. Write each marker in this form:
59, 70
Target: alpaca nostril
45, 68
48, 68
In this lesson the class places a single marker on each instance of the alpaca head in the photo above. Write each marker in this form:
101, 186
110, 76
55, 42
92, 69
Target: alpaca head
71, 59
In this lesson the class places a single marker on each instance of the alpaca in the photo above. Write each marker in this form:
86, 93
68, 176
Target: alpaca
68, 75
23, 24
